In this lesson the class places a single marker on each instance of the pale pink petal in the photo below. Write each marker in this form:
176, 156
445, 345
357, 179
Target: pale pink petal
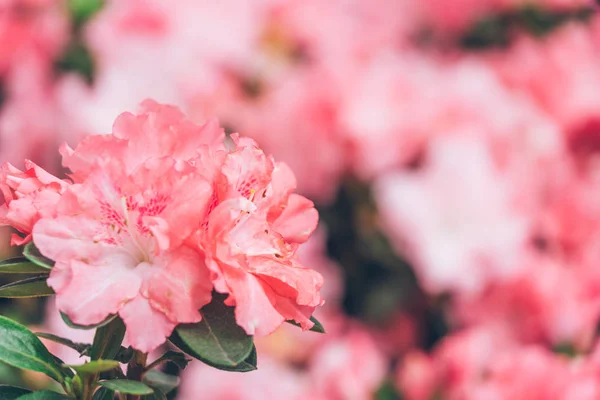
95, 292
289, 279
146, 328
180, 286
254, 311
298, 220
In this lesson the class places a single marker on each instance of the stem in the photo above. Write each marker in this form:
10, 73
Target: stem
136, 369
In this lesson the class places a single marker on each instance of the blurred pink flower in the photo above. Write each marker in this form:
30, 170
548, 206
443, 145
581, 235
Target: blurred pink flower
272, 380
416, 376
457, 218
31, 28
348, 367
28, 197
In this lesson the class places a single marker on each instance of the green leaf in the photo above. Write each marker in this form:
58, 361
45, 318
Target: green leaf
163, 382
317, 327
30, 287
126, 386
157, 395
107, 340
95, 366
12, 392
21, 265
44, 395
20, 348
174, 357
217, 340
82, 348
73, 325
248, 365
103, 394
33, 254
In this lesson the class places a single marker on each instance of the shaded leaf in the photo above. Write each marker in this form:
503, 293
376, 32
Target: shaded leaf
107, 340
20, 348
157, 395
126, 386
124, 355
73, 325
44, 395
317, 327
12, 392
81, 348
21, 265
30, 287
174, 357
103, 394
33, 254
95, 366
216, 340
248, 365
161, 381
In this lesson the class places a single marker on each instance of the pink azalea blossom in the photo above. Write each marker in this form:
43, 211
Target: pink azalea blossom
349, 367
28, 196
256, 210
460, 233
272, 380
125, 225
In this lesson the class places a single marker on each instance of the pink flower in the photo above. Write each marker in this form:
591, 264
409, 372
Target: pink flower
28, 196
440, 217
118, 237
251, 238
417, 377
272, 380
349, 367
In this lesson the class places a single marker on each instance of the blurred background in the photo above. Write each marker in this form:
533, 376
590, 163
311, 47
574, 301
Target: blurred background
451, 146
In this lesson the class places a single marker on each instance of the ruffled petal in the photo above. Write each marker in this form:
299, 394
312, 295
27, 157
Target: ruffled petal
146, 328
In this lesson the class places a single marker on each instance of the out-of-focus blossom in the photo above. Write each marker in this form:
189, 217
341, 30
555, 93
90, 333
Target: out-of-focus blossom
395, 105
30, 117
350, 367
416, 376
272, 380
28, 197
29, 29
295, 117
457, 218
564, 65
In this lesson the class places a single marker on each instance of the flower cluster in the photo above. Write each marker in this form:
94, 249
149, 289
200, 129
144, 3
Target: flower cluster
157, 214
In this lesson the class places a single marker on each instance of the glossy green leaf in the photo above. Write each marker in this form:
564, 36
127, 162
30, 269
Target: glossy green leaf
30, 287
126, 386
21, 265
175, 357
103, 394
33, 254
44, 395
107, 340
73, 325
12, 392
248, 365
163, 382
216, 340
20, 348
82, 348
95, 366
157, 395
317, 327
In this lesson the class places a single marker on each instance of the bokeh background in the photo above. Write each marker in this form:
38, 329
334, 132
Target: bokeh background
451, 146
